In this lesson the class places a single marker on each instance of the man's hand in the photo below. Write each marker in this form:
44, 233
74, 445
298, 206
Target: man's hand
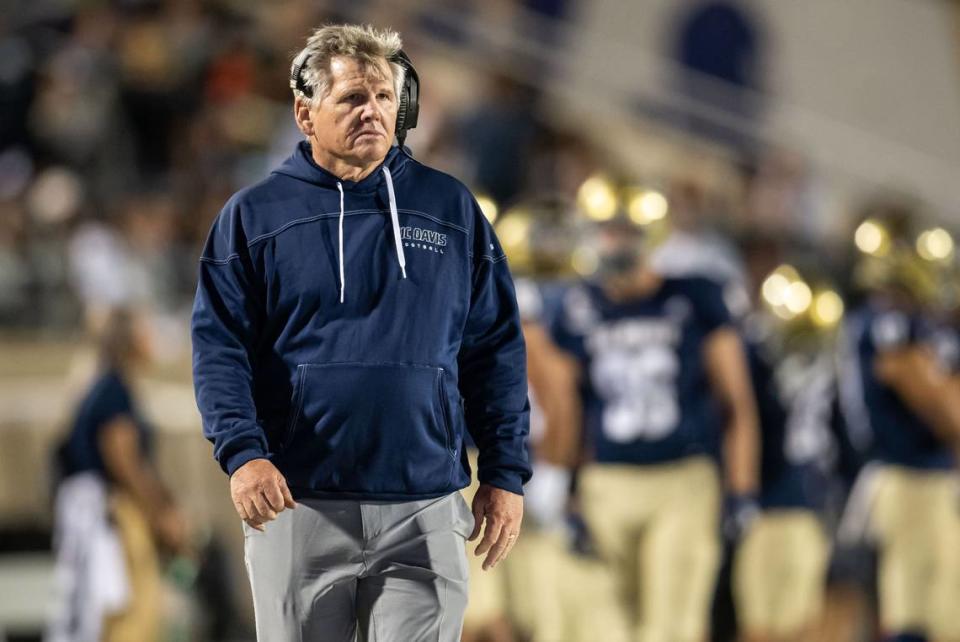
170, 527
259, 492
503, 511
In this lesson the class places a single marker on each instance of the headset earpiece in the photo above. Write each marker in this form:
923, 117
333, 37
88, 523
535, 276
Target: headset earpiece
408, 103
296, 74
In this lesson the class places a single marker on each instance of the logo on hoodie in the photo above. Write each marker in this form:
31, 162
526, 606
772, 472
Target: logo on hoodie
418, 237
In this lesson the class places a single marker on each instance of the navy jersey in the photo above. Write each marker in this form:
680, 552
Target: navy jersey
646, 394
795, 406
108, 399
881, 424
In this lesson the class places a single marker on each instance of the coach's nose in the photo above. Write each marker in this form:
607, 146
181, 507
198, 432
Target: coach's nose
369, 112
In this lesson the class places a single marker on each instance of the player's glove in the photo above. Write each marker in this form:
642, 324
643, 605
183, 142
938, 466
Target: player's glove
739, 511
546, 495
578, 535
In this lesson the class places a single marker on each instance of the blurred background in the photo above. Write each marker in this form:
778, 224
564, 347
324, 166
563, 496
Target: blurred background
126, 124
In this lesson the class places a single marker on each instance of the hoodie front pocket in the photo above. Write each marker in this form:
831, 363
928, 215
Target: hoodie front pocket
380, 428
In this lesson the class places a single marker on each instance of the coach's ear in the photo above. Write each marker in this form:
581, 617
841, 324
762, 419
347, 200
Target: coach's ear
301, 113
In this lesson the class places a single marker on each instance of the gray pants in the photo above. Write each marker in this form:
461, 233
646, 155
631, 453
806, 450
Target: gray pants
341, 570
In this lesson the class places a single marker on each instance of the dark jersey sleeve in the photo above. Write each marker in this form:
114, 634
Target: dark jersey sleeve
711, 308
112, 401
565, 323
107, 400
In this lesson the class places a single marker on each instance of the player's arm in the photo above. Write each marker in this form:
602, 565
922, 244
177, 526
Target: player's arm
730, 381
119, 445
548, 491
553, 376
913, 373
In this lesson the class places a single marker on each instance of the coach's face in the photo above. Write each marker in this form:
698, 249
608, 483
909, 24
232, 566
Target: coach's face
354, 121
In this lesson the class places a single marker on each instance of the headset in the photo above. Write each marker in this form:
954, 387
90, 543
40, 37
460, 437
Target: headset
409, 99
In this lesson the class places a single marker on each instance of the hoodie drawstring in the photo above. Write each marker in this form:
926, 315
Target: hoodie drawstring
394, 219
342, 277
401, 259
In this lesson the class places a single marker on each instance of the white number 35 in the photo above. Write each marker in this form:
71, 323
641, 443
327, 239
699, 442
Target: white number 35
639, 391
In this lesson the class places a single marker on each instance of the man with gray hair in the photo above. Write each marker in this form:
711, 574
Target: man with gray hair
355, 318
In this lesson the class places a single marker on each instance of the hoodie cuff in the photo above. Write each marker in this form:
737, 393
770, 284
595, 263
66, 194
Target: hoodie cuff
504, 479
236, 460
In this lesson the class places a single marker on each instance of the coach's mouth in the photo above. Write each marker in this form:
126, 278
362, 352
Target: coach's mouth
368, 133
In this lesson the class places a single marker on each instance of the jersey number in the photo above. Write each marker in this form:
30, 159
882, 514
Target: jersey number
639, 393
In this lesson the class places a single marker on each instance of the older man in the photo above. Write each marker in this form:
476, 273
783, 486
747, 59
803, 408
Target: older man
354, 316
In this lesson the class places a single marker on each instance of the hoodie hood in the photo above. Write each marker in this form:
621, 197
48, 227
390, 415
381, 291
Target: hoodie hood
300, 165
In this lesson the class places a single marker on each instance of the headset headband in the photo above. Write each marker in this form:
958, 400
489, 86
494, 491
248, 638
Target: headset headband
408, 108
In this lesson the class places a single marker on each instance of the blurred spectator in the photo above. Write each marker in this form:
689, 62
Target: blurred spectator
497, 136
14, 271
112, 511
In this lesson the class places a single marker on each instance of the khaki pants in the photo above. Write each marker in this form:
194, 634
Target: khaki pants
525, 587
546, 591
591, 606
488, 589
779, 573
657, 528
140, 620
916, 520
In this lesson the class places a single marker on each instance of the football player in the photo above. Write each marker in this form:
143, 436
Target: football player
663, 386
780, 567
522, 598
898, 405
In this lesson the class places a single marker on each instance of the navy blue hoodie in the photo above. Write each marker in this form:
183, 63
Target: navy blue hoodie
351, 332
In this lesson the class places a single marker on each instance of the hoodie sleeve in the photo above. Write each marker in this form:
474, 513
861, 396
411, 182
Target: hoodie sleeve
492, 361
226, 320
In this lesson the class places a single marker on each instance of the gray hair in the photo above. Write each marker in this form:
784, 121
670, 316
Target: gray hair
363, 43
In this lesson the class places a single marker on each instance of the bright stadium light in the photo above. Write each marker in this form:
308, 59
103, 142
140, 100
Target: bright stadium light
935, 244
827, 309
647, 206
782, 312
597, 198
797, 297
512, 230
872, 238
775, 286
488, 206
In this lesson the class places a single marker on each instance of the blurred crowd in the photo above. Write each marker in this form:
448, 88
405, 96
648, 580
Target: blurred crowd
125, 126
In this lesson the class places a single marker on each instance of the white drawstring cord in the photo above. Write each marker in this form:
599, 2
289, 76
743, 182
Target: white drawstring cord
401, 258
342, 276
